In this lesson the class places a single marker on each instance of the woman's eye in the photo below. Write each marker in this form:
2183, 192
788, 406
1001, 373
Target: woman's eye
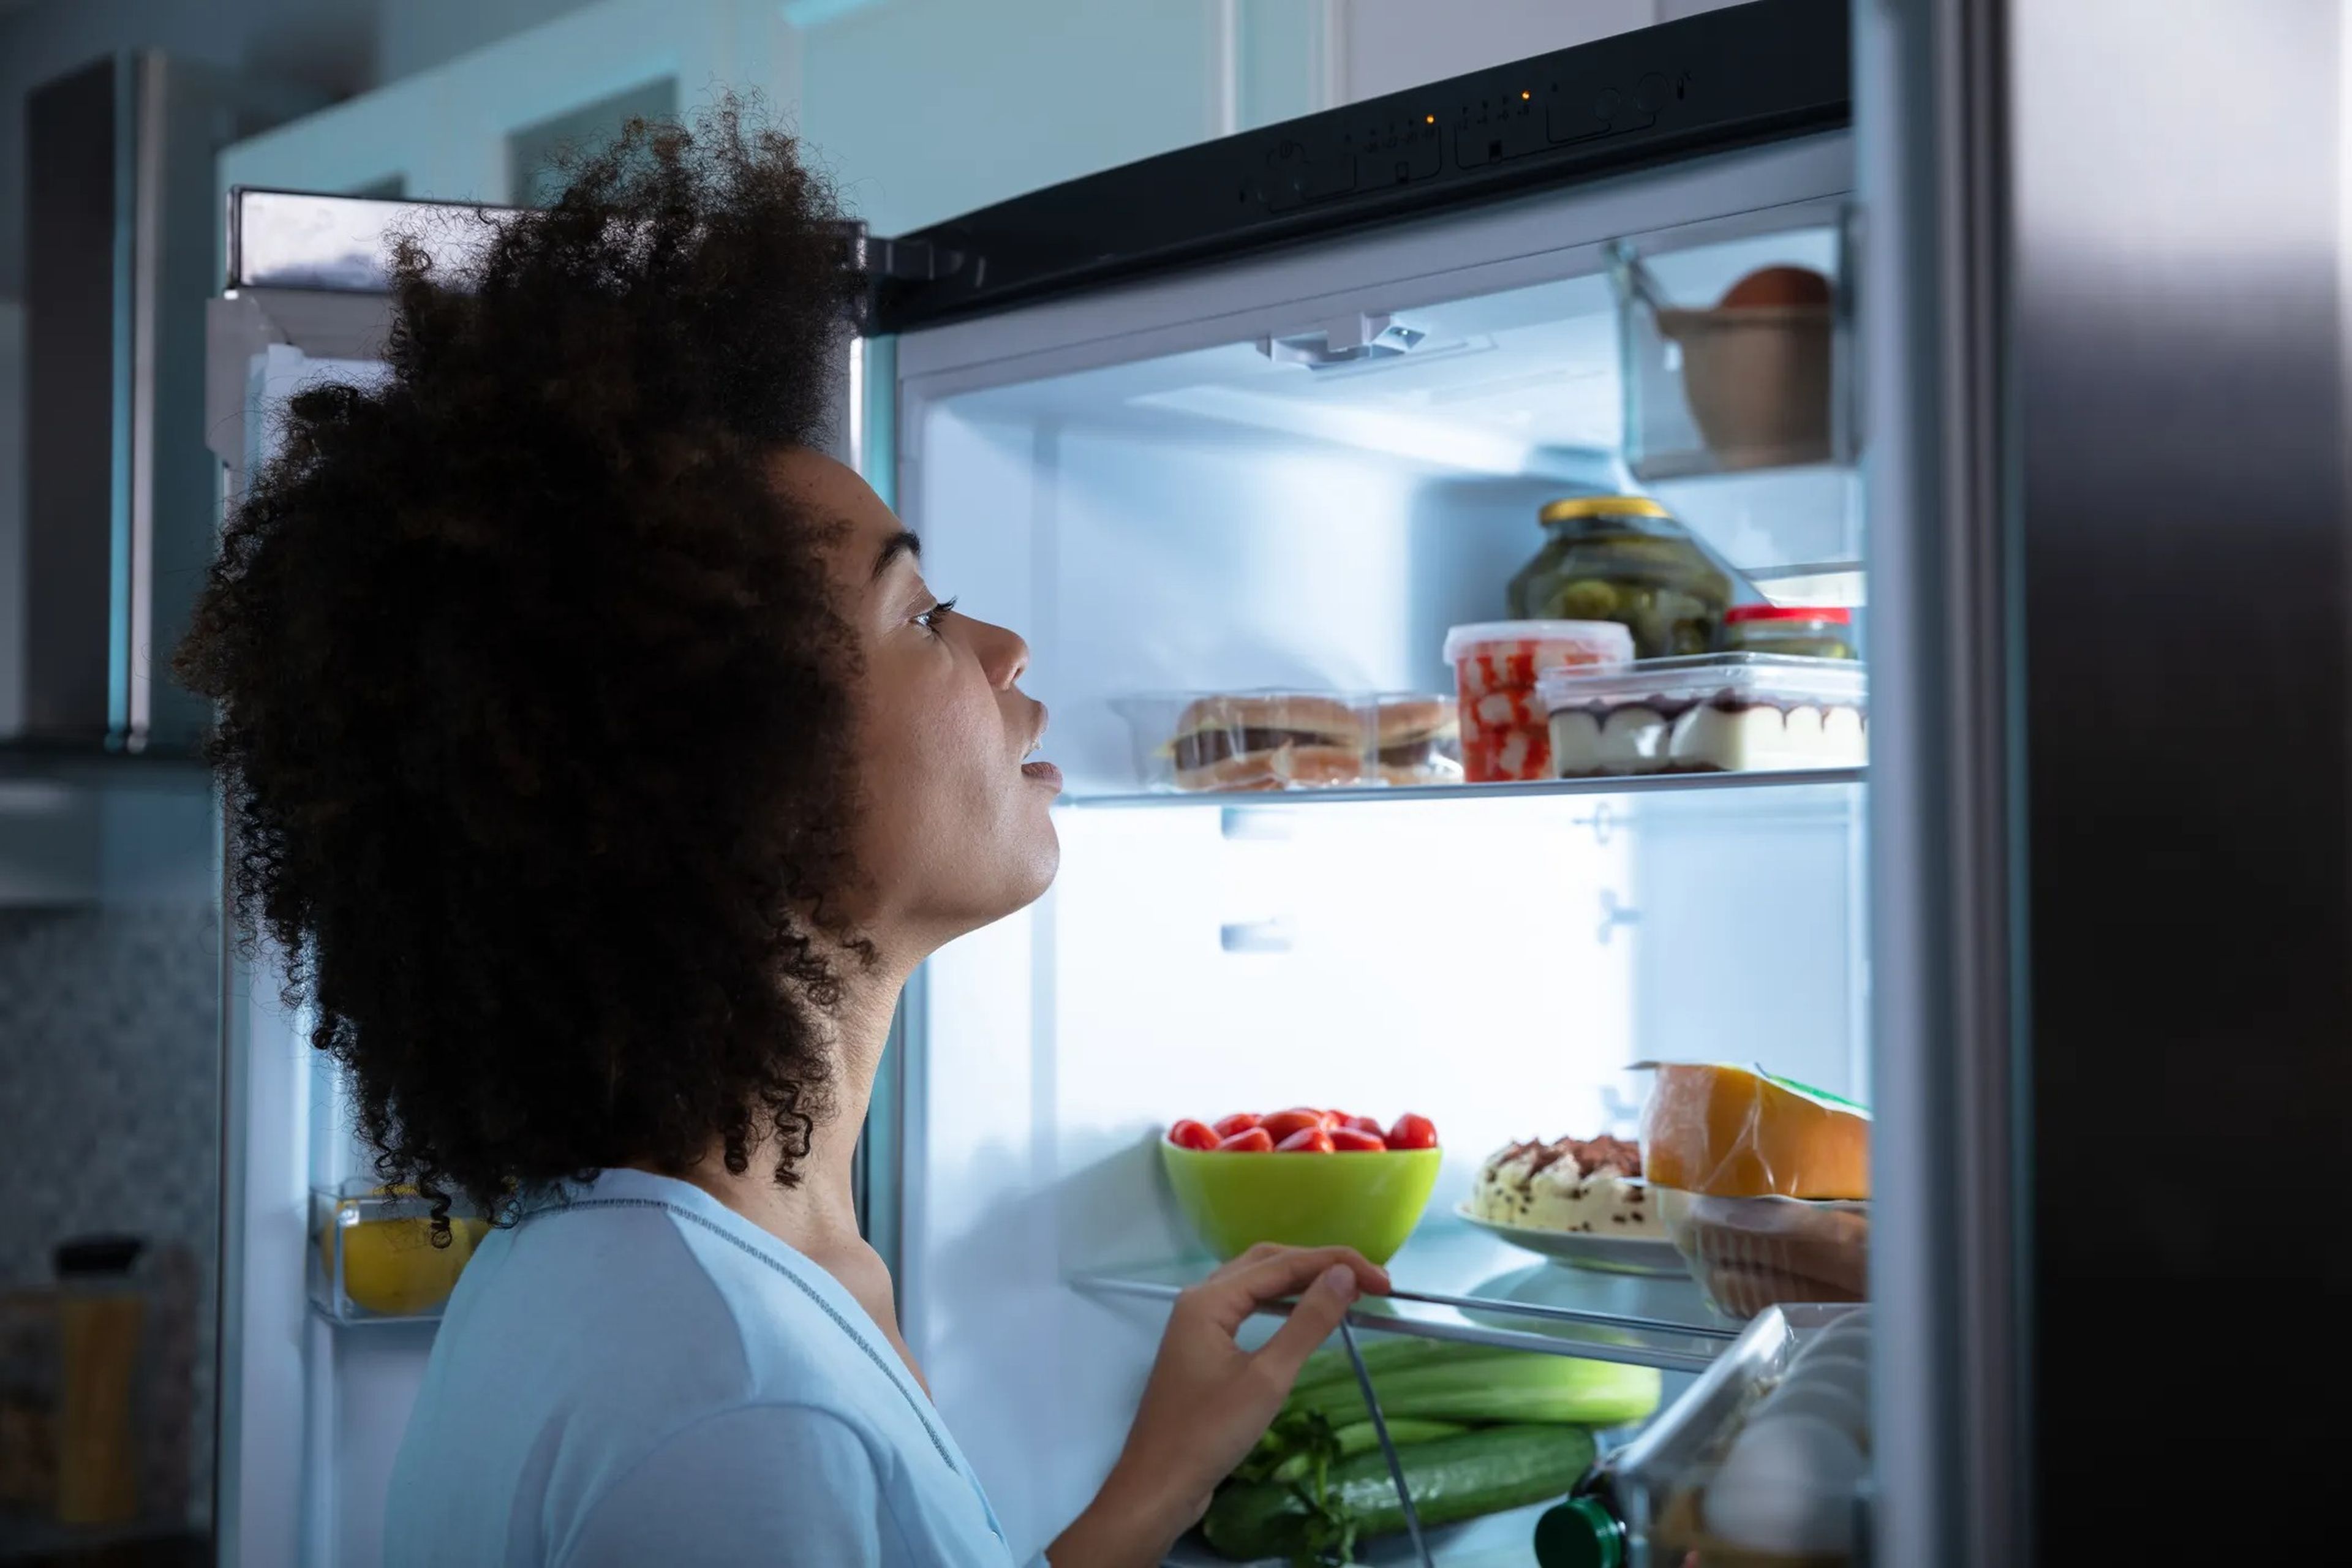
931, 620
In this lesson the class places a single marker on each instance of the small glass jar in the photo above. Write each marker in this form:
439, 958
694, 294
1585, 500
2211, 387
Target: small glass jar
1797, 631
1624, 559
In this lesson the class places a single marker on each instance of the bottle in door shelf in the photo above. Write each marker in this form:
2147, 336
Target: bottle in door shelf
1505, 730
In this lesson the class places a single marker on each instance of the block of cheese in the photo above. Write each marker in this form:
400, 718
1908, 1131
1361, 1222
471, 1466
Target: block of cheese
1739, 1133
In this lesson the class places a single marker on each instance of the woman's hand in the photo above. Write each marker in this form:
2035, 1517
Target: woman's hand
1209, 1400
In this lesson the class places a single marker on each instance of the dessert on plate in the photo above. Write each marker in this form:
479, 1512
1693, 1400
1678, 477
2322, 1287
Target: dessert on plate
1589, 1186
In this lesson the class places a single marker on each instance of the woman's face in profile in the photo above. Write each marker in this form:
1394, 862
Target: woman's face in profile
954, 827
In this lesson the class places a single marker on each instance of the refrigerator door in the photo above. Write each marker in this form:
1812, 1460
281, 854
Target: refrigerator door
2105, 349
1201, 480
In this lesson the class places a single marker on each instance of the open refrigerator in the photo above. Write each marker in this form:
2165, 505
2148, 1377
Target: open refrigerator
1274, 413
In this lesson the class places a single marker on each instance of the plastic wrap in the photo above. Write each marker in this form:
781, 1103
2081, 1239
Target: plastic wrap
1732, 712
1749, 1254
1506, 731
1763, 1183
1259, 740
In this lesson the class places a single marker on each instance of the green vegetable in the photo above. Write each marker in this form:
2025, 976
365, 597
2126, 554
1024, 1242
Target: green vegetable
1361, 1438
1384, 1357
1497, 1385
1451, 1479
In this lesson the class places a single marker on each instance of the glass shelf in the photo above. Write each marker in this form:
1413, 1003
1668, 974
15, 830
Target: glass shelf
1642, 785
1498, 1295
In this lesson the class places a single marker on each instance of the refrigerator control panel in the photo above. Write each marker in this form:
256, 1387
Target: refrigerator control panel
1714, 81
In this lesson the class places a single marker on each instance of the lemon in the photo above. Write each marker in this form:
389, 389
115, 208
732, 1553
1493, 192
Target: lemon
391, 1265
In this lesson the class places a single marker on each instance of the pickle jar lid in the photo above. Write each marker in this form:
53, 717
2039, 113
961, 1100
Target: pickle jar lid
1601, 506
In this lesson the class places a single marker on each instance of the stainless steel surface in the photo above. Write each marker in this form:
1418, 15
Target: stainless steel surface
76, 355
123, 252
2105, 345
1944, 1262
1643, 784
2177, 387
295, 239
135, 615
1388, 1447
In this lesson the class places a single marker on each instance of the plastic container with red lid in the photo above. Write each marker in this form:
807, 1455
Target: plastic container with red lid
1799, 631
1505, 730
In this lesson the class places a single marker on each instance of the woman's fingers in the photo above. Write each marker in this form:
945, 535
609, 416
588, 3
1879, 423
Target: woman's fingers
1319, 1312
1233, 1292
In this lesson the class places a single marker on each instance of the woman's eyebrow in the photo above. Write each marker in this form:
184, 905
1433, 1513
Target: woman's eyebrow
902, 543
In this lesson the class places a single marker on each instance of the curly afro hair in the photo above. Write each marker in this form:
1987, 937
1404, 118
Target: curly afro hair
534, 706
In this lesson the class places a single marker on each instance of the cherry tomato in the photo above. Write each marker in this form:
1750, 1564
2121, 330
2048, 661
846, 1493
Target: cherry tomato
1366, 1124
1413, 1131
1355, 1141
1239, 1122
1283, 1124
1249, 1141
1191, 1134
1306, 1140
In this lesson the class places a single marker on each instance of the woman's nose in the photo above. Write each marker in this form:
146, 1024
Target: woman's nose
1002, 653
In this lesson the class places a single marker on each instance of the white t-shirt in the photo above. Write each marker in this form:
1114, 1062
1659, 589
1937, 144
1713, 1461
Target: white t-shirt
637, 1375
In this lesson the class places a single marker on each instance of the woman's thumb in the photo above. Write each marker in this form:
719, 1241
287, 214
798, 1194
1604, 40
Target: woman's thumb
1319, 1312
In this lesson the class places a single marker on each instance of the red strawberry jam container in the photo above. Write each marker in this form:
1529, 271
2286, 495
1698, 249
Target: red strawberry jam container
1506, 729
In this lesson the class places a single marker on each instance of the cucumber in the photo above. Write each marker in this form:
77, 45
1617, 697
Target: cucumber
1452, 1479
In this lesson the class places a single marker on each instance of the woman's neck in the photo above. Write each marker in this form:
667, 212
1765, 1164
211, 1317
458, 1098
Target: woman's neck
817, 1215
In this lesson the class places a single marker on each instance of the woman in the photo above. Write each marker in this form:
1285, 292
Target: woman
602, 765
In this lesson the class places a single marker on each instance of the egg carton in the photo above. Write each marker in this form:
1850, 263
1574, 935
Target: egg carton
1765, 1462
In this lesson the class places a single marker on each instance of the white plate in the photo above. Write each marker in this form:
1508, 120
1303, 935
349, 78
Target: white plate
1580, 1249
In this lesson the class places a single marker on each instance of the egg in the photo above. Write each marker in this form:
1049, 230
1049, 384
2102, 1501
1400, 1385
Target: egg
1834, 1369
1832, 1403
1777, 286
1787, 1485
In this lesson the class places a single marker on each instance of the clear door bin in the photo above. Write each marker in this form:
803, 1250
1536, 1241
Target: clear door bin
374, 1258
1259, 740
1741, 367
1732, 712
1764, 1463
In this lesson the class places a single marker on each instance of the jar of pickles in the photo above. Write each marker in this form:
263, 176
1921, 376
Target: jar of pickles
1800, 631
1624, 559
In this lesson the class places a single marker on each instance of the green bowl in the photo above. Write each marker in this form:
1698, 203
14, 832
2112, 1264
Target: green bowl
1366, 1201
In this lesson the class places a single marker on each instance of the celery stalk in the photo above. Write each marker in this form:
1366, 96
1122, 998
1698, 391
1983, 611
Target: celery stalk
1508, 1385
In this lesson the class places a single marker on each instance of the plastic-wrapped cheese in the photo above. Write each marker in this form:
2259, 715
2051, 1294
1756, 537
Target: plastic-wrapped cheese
1734, 1133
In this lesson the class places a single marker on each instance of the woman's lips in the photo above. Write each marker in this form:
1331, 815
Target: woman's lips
1044, 773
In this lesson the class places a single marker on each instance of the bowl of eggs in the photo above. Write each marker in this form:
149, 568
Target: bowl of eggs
1756, 368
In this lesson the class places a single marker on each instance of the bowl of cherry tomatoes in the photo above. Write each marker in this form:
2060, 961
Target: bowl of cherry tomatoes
1304, 1177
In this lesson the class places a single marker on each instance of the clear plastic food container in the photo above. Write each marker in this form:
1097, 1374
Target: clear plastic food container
1763, 1463
1800, 631
1497, 666
372, 1256
1259, 740
1735, 713
1749, 1254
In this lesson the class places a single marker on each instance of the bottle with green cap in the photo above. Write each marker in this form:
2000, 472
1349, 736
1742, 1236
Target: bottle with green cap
1624, 559
1582, 1532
